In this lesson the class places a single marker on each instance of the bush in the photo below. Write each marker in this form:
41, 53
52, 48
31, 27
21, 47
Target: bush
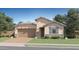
54, 37
46, 37
4, 35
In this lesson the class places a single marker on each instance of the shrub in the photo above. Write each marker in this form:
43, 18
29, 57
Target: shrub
55, 37
4, 35
46, 37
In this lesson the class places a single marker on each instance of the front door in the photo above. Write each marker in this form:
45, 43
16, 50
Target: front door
42, 31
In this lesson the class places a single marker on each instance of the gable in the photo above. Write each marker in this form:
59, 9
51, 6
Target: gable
43, 20
54, 23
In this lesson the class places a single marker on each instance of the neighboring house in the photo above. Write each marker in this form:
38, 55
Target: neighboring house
41, 28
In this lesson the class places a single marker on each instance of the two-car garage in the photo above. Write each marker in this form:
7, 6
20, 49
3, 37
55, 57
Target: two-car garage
26, 33
26, 30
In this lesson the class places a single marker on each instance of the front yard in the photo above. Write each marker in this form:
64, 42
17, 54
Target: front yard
55, 41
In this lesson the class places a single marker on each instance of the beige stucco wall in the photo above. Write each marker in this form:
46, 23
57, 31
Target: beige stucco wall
40, 24
61, 30
46, 30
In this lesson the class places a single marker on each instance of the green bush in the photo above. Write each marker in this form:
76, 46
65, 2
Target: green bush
53, 37
46, 37
4, 35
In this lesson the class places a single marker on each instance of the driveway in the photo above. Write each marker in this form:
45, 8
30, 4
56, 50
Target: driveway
18, 40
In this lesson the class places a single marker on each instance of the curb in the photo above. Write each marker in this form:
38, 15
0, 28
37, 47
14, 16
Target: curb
39, 44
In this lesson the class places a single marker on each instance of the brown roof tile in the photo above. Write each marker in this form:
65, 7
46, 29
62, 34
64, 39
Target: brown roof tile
42, 18
32, 25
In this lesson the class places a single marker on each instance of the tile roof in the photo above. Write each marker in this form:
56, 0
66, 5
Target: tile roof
26, 25
43, 18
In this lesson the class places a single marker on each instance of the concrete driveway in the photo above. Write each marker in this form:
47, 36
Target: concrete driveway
18, 40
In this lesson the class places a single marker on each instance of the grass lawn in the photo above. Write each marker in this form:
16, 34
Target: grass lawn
3, 39
55, 41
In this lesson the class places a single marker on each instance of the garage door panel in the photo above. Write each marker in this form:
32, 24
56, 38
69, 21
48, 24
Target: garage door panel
26, 32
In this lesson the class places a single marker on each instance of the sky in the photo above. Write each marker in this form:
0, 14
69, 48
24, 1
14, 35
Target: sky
30, 14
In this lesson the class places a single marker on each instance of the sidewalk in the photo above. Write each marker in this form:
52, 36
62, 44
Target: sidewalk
46, 45
38, 45
13, 44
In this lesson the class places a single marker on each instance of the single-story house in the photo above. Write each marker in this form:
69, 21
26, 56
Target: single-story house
40, 28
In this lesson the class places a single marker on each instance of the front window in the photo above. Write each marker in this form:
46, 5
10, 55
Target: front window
53, 30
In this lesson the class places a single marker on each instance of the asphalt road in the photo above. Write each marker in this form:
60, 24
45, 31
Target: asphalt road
38, 48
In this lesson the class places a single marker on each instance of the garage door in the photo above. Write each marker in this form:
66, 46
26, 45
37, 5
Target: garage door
26, 32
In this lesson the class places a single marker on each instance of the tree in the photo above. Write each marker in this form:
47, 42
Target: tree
20, 22
71, 21
10, 24
60, 18
6, 23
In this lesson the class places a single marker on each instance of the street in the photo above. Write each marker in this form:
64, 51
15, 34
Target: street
38, 48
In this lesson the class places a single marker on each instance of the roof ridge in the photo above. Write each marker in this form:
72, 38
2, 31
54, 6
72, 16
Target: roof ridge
42, 18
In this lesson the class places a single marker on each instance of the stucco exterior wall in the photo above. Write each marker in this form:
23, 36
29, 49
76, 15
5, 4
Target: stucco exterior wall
46, 30
61, 30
